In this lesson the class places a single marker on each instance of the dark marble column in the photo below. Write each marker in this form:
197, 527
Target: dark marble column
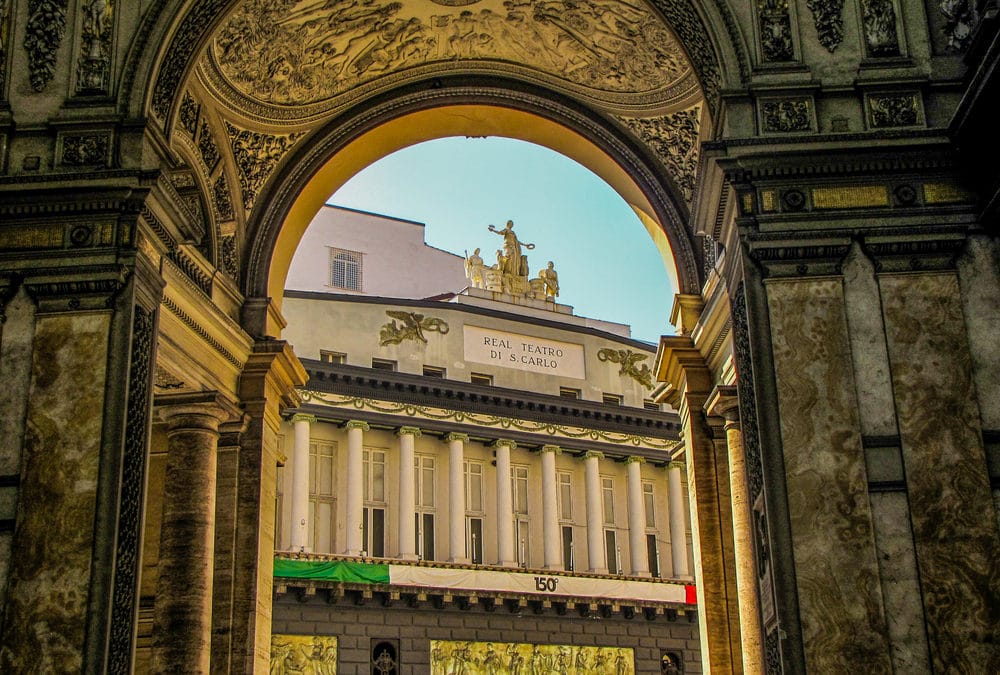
182, 617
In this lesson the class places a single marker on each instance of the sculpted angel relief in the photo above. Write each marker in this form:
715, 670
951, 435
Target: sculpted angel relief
302, 51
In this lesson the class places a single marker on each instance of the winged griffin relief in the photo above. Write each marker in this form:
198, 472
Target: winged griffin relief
412, 327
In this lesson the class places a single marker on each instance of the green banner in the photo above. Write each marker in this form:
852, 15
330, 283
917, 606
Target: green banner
359, 573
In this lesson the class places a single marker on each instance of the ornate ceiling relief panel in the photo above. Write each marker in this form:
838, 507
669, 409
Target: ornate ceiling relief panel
302, 52
879, 18
961, 18
827, 15
43, 34
256, 155
94, 65
775, 30
674, 138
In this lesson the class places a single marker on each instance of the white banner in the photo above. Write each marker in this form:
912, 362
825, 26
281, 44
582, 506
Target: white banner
524, 352
541, 584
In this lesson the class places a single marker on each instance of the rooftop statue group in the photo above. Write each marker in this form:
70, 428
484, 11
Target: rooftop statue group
510, 272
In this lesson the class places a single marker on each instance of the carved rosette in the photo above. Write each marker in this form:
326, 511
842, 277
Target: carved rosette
256, 155
827, 15
674, 138
93, 70
785, 115
42, 36
775, 30
879, 18
893, 110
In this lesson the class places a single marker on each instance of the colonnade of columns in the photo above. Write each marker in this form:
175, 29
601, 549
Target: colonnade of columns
456, 518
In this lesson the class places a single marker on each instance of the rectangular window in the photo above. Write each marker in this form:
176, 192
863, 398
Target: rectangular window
345, 269
322, 505
611, 551
613, 399
519, 488
567, 548
569, 392
649, 502
383, 364
521, 541
332, 357
424, 532
565, 480
473, 486
474, 540
423, 466
481, 378
652, 556
373, 531
373, 475
608, 497
434, 371
650, 405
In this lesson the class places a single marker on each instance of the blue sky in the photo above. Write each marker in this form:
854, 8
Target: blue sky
608, 266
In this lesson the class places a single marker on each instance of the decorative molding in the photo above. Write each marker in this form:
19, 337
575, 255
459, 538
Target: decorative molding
409, 431
125, 593
879, 24
96, 291
221, 199
43, 35
94, 65
674, 139
628, 360
229, 256
364, 426
960, 20
188, 114
745, 392
775, 26
827, 16
412, 328
893, 110
163, 379
191, 270
786, 115
188, 321
85, 149
256, 155
772, 653
208, 148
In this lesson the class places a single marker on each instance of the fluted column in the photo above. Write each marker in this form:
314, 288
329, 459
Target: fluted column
678, 528
550, 509
636, 517
182, 618
407, 494
456, 509
355, 486
505, 504
302, 425
724, 402
595, 513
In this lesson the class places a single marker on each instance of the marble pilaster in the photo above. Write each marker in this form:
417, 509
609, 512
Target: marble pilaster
182, 618
954, 523
837, 577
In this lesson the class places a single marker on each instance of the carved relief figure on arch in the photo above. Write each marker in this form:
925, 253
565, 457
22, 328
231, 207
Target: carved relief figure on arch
300, 51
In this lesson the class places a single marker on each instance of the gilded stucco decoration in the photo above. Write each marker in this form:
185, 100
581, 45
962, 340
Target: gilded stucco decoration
284, 51
315, 654
208, 148
879, 17
95, 55
893, 110
960, 20
829, 21
674, 137
785, 115
629, 360
775, 30
229, 256
42, 36
256, 155
188, 115
412, 327
461, 656
220, 198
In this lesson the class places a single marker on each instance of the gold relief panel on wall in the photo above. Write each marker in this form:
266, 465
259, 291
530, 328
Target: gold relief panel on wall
303, 654
283, 52
512, 658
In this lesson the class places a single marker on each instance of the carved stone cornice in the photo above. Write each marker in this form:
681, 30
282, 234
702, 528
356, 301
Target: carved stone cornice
271, 375
724, 402
9, 284
916, 250
83, 288
795, 257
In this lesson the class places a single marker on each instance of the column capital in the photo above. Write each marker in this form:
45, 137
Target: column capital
357, 424
676, 464
724, 402
593, 453
635, 459
409, 431
196, 410
504, 441
455, 436
302, 417
551, 448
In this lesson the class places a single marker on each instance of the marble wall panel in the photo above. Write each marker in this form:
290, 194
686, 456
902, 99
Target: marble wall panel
979, 276
842, 614
954, 526
45, 614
